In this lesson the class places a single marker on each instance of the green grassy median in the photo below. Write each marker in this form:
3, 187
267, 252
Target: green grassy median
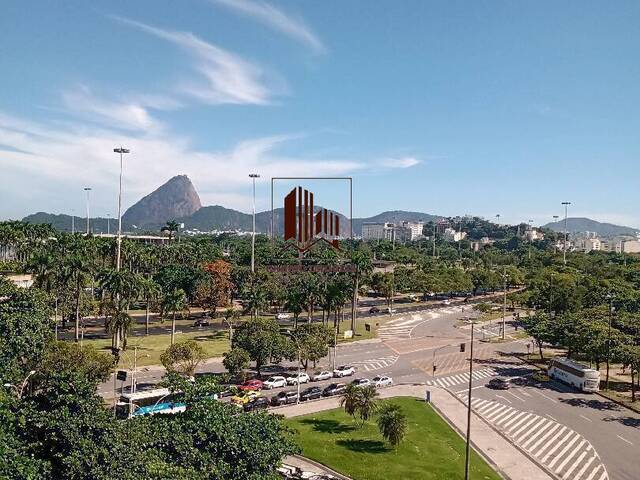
430, 450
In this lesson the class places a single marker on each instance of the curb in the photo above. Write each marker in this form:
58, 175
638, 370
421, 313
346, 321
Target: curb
322, 467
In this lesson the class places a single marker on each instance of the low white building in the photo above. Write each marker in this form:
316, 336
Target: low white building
452, 235
378, 231
532, 234
629, 246
415, 230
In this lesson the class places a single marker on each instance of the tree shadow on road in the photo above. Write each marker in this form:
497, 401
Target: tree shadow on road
363, 446
627, 421
591, 403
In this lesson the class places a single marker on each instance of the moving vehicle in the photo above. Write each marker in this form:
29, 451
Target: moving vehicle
382, 381
259, 403
150, 402
334, 389
374, 310
254, 384
575, 374
298, 377
282, 316
245, 397
323, 375
499, 384
274, 382
284, 398
344, 371
201, 322
361, 382
311, 393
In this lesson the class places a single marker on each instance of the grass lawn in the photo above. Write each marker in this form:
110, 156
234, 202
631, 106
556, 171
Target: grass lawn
430, 450
150, 348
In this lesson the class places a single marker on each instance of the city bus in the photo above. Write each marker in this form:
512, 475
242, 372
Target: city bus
150, 402
575, 374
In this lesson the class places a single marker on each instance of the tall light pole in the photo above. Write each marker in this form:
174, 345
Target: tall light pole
88, 189
108, 223
609, 298
531, 233
121, 151
468, 446
73, 222
564, 247
253, 177
555, 244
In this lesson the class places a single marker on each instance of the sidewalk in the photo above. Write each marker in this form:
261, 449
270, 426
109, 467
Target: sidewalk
505, 457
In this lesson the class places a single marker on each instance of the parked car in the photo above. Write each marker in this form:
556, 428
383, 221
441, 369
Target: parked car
540, 377
382, 381
284, 398
282, 316
259, 403
498, 384
311, 393
322, 375
254, 384
374, 310
361, 382
274, 382
245, 397
446, 302
520, 381
334, 389
298, 377
391, 310
344, 371
201, 322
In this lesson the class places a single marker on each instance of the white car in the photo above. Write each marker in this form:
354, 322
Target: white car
294, 379
282, 316
382, 381
361, 382
344, 371
274, 382
323, 375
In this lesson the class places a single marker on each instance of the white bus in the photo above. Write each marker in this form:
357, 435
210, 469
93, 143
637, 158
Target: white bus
575, 374
150, 402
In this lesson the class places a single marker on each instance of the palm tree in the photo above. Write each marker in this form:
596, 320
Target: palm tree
362, 262
172, 227
173, 302
367, 405
349, 400
392, 423
122, 286
230, 317
149, 289
255, 298
76, 273
118, 325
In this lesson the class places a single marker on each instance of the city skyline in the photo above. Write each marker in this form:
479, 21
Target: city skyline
448, 109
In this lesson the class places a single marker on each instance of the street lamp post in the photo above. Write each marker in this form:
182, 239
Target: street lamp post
468, 446
531, 233
20, 390
564, 247
253, 177
504, 303
108, 223
610, 298
121, 151
555, 244
88, 189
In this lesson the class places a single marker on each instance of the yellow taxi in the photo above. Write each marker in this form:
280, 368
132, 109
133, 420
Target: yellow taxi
245, 397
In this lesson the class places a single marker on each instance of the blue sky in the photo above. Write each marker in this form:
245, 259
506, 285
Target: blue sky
443, 107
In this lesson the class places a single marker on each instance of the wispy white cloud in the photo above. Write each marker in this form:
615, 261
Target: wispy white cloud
402, 162
53, 162
226, 78
127, 115
276, 19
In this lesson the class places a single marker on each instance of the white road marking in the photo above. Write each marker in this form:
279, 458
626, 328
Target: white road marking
504, 398
624, 439
586, 418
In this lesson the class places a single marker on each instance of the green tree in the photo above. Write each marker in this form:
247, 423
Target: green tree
236, 361
261, 339
183, 357
174, 302
172, 227
392, 423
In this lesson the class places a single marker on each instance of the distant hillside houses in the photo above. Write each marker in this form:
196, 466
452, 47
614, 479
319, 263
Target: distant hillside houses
402, 232
621, 245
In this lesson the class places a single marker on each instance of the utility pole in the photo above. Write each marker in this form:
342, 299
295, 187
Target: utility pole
121, 151
253, 177
88, 189
468, 449
564, 248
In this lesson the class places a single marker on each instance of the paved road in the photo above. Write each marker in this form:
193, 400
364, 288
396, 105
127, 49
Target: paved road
578, 436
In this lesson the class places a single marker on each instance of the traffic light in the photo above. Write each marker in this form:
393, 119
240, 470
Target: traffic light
463, 346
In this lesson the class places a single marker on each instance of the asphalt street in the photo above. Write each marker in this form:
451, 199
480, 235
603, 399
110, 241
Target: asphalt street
574, 435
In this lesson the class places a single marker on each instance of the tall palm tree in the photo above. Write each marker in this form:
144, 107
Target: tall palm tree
172, 227
174, 302
77, 270
149, 290
362, 263
122, 287
360, 401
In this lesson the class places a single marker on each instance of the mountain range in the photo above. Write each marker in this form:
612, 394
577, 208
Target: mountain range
177, 199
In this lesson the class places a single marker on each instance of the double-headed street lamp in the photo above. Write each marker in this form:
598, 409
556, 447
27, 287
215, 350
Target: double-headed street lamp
564, 248
88, 189
253, 177
121, 151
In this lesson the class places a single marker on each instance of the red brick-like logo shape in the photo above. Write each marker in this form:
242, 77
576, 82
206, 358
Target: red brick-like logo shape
303, 228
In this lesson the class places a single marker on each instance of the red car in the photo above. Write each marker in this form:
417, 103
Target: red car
251, 385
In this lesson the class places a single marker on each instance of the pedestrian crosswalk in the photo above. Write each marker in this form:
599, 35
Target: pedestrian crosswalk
462, 378
376, 363
560, 449
402, 327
